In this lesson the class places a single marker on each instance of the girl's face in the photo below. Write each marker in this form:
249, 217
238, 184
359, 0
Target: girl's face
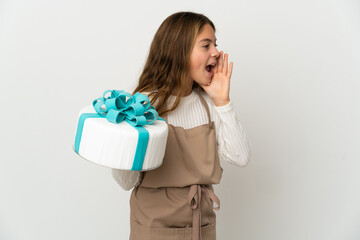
204, 56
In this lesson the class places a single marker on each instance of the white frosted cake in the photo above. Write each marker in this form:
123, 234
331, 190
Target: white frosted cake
119, 145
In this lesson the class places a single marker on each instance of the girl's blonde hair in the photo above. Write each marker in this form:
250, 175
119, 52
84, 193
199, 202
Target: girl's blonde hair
168, 64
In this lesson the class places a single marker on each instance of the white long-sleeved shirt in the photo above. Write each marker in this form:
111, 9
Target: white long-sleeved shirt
233, 144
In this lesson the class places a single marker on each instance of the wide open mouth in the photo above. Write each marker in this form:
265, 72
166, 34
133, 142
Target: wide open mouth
209, 68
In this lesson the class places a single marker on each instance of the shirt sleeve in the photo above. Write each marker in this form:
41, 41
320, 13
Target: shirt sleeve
233, 144
126, 179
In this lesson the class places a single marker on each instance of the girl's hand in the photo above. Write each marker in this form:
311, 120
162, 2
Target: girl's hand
219, 88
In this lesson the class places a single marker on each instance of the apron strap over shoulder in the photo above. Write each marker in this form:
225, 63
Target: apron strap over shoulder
204, 103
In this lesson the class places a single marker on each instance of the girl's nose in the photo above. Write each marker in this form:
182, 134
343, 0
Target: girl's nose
215, 53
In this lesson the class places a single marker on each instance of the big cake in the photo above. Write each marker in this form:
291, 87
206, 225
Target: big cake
121, 131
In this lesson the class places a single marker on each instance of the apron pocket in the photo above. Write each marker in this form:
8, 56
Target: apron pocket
139, 232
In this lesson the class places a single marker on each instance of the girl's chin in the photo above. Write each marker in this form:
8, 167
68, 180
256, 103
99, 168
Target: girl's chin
206, 83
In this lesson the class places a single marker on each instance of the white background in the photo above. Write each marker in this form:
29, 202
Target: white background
295, 87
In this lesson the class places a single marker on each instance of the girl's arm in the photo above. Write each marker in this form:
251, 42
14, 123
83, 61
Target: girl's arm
233, 144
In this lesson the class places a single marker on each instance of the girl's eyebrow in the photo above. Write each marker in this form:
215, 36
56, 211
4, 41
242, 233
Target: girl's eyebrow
207, 40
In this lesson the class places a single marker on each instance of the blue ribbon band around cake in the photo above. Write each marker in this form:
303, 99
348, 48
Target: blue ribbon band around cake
117, 106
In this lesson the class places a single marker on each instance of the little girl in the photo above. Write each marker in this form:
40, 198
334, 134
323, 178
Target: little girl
188, 81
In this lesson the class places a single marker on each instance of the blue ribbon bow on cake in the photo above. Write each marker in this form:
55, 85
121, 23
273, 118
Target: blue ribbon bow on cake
117, 106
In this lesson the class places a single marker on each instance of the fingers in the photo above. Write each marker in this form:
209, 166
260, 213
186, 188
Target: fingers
220, 62
230, 69
225, 64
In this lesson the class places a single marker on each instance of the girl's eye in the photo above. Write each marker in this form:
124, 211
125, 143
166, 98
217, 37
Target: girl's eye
207, 46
